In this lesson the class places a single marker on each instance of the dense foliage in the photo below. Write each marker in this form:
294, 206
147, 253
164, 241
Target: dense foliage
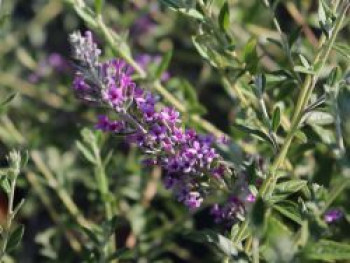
174, 131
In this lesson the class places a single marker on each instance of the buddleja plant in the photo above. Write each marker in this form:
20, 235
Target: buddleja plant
267, 208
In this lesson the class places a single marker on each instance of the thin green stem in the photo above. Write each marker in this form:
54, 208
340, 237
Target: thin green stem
103, 186
255, 246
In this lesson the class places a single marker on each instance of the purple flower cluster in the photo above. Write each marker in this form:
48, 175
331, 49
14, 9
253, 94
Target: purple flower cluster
189, 159
333, 215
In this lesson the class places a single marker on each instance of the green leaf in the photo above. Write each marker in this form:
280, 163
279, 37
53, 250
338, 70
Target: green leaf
86, 152
291, 186
191, 12
24, 159
260, 83
252, 131
171, 3
301, 136
304, 61
224, 244
163, 64
319, 118
183, 8
276, 118
304, 70
290, 210
335, 76
191, 98
342, 49
294, 36
224, 17
15, 238
322, 18
8, 99
327, 250
212, 51
250, 56
92, 235
5, 185
98, 6
258, 215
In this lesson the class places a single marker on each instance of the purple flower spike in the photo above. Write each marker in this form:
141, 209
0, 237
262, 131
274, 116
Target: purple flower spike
333, 215
188, 158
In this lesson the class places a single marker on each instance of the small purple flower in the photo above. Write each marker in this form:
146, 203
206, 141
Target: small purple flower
114, 96
169, 115
193, 200
116, 126
173, 165
106, 125
250, 198
333, 215
79, 83
103, 123
149, 112
170, 181
219, 171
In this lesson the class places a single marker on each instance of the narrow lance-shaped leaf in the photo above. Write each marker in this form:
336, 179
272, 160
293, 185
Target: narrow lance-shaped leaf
258, 215
321, 14
5, 185
8, 99
327, 250
250, 55
224, 244
255, 132
290, 210
15, 238
319, 118
342, 49
86, 152
304, 70
290, 186
304, 61
224, 17
294, 36
171, 3
276, 118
